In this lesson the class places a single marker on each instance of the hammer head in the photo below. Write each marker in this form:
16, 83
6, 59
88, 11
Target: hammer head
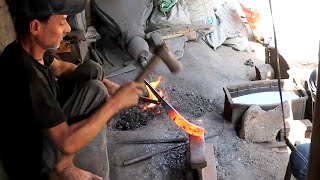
162, 50
161, 53
168, 58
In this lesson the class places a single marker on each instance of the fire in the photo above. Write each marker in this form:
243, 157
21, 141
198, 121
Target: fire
155, 85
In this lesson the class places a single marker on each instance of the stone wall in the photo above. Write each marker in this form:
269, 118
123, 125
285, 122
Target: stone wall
7, 32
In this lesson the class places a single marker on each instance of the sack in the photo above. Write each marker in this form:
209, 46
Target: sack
179, 15
202, 12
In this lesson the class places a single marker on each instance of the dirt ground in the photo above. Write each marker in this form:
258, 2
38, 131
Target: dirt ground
196, 92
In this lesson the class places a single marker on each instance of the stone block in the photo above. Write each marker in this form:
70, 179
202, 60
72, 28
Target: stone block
262, 126
308, 126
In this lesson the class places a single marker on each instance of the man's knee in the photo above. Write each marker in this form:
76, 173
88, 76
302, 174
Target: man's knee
95, 70
85, 100
97, 87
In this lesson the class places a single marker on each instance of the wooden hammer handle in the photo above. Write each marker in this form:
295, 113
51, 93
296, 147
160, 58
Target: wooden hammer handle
168, 58
150, 67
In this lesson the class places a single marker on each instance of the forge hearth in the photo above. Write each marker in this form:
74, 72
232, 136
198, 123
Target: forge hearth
174, 163
189, 105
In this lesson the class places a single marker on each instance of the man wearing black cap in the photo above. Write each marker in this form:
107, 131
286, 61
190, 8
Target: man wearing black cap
42, 129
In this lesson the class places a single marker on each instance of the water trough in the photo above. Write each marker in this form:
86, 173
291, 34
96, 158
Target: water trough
265, 93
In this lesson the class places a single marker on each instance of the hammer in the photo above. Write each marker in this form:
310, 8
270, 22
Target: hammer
161, 53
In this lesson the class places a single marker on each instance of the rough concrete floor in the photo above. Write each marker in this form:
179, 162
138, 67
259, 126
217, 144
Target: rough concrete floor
205, 73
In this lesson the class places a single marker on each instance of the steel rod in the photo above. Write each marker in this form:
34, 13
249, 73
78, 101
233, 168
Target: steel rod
148, 156
155, 141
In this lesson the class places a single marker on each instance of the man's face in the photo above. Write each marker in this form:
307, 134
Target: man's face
53, 31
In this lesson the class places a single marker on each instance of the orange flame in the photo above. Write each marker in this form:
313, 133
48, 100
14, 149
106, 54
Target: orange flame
188, 127
154, 84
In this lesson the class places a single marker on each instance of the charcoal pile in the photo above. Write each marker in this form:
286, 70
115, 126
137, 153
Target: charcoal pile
137, 116
191, 105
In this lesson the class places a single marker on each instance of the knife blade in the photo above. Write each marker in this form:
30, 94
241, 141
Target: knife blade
175, 116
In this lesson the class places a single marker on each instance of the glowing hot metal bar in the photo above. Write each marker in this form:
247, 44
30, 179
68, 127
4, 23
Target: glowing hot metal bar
184, 124
187, 126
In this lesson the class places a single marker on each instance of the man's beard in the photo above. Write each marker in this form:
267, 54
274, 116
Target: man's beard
54, 48
57, 45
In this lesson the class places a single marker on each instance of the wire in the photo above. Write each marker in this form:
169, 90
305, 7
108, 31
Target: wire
217, 134
289, 144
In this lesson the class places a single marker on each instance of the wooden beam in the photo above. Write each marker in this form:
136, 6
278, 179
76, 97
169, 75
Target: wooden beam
314, 158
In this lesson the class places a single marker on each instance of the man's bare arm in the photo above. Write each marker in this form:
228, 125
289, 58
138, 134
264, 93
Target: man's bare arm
70, 139
61, 68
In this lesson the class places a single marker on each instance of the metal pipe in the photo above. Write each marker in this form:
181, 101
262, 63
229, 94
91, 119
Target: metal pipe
314, 157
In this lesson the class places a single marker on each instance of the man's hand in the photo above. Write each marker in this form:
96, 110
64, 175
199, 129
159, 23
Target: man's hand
127, 95
111, 86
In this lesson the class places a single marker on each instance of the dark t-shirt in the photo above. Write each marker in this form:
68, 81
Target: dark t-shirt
29, 97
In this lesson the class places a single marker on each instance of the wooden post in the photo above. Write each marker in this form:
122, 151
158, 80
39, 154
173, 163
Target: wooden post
314, 158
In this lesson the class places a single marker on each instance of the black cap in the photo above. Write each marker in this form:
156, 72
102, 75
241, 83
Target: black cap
50, 7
